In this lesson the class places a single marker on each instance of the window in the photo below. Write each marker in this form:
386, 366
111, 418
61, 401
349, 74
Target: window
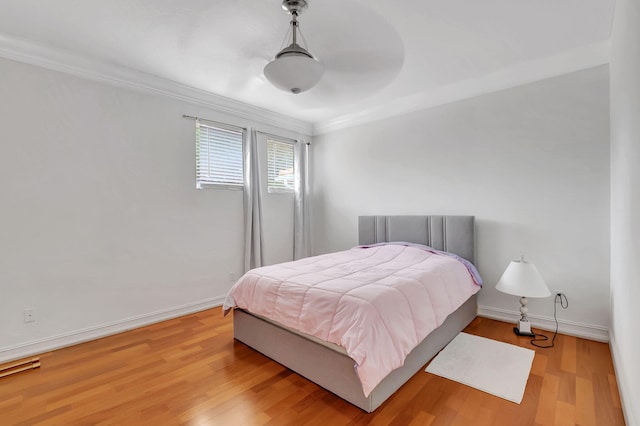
279, 166
218, 156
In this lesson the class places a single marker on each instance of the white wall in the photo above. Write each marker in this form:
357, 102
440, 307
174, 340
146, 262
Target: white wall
101, 225
625, 203
531, 163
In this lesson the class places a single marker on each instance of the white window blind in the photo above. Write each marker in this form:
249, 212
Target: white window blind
280, 176
218, 156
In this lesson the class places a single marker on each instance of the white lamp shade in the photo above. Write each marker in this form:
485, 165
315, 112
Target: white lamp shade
294, 73
521, 278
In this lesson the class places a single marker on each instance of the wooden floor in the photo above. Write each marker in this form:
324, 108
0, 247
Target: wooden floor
190, 371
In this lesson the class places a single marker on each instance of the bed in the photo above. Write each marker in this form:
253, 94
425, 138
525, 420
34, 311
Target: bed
327, 364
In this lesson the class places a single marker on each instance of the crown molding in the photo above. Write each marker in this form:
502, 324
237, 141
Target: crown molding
566, 62
28, 52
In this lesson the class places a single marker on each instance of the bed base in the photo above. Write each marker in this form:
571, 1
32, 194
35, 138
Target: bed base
335, 371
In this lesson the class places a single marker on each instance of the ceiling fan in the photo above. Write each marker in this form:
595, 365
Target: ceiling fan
352, 57
294, 69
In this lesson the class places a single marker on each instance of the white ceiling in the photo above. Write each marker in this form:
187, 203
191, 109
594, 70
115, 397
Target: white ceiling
376, 53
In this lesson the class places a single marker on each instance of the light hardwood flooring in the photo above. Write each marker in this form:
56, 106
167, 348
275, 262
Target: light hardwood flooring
190, 371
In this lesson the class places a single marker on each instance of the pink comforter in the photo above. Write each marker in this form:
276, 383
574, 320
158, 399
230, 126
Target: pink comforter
378, 303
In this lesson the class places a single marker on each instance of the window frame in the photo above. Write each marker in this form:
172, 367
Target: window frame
292, 143
203, 184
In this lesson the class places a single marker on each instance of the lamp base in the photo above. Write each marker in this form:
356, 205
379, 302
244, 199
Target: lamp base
522, 333
523, 329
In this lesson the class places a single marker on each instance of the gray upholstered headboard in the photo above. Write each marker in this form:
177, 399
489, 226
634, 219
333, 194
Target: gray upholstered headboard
454, 234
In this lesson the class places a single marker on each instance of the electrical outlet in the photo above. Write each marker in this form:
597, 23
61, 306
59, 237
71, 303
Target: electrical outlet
232, 277
560, 298
29, 315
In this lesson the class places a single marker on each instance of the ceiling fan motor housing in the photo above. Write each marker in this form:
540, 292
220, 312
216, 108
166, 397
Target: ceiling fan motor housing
294, 6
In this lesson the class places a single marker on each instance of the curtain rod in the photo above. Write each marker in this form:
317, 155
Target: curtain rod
191, 117
277, 136
281, 137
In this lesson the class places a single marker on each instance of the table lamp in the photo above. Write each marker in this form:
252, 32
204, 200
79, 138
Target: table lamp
521, 278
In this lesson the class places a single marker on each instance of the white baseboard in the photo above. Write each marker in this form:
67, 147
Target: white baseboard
624, 386
47, 344
572, 328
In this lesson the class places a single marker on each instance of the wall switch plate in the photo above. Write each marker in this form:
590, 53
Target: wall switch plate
29, 315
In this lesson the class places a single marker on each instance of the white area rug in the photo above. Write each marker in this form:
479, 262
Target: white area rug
491, 366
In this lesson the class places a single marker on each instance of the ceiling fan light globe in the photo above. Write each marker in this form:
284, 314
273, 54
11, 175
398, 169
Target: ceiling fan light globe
294, 73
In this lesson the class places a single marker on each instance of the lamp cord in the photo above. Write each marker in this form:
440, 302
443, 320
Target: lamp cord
564, 303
